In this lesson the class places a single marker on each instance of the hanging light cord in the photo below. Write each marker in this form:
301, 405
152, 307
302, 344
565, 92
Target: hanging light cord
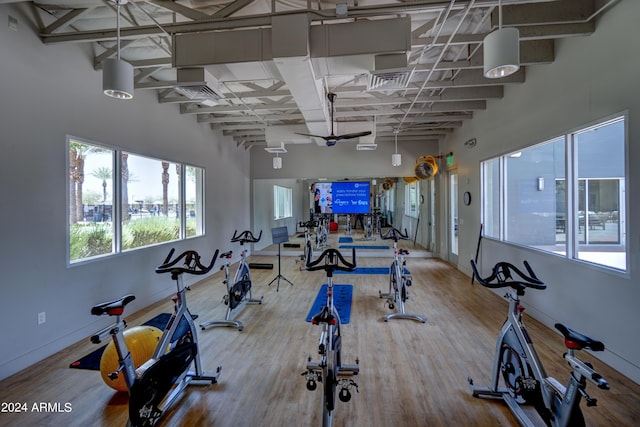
118, 29
395, 131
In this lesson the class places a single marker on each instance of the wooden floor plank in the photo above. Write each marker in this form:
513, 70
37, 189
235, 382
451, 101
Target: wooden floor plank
411, 374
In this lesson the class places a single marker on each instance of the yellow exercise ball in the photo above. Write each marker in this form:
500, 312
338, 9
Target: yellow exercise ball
141, 341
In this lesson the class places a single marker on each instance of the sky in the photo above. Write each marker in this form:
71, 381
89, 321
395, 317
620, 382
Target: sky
146, 178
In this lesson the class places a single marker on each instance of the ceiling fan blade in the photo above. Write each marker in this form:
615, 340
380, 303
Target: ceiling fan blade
353, 135
308, 134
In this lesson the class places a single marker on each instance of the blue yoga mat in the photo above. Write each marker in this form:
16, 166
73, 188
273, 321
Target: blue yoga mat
341, 300
368, 270
362, 247
345, 240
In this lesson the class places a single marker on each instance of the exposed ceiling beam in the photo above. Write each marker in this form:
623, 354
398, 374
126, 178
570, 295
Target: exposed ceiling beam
528, 32
264, 20
240, 119
232, 8
68, 18
230, 109
185, 11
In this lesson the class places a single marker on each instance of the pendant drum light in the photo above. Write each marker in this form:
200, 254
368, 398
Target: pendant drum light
277, 162
396, 159
501, 50
117, 75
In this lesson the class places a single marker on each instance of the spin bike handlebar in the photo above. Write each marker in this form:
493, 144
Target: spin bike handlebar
191, 264
308, 224
505, 274
332, 259
245, 237
395, 234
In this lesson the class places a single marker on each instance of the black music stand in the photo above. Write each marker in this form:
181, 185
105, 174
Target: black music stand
279, 235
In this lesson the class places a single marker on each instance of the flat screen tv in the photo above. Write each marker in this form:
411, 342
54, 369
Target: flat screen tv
350, 197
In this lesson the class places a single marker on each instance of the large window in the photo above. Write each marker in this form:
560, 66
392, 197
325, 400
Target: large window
282, 198
155, 201
565, 196
411, 194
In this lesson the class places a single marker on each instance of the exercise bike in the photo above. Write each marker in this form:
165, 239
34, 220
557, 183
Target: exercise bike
518, 362
322, 231
348, 229
157, 383
307, 255
368, 228
239, 289
330, 371
378, 221
399, 279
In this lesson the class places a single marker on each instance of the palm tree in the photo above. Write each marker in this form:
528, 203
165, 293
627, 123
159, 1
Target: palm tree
103, 173
165, 185
125, 176
73, 160
77, 154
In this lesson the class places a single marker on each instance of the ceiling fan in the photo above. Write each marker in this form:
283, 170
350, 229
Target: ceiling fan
332, 139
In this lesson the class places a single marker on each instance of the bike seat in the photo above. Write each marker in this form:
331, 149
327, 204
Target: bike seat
577, 341
112, 308
324, 317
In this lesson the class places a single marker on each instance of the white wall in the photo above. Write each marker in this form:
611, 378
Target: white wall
49, 92
340, 161
592, 78
263, 208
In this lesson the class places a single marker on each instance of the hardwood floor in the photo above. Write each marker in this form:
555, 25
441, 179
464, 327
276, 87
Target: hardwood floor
411, 374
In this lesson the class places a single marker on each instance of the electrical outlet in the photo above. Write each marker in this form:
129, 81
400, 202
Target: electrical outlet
42, 317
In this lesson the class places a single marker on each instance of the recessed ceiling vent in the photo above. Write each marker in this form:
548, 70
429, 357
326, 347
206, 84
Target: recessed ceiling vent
198, 84
390, 79
391, 72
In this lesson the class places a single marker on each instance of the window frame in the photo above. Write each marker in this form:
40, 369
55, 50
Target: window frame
116, 222
572, 243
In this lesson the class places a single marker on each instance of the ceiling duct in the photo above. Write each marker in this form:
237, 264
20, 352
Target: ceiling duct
198, 84
391, 72
290, 47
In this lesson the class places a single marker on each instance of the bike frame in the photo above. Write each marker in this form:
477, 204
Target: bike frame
397, 287
330, 365
164, 346
558, 399
348, 231
516, 358
243, 273
329, 351
368, 228
321, 232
